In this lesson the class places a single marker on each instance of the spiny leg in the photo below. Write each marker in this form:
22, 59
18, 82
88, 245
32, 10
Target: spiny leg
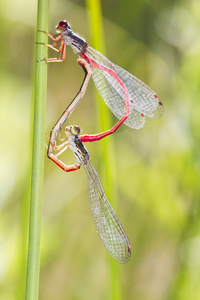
61, 148
53, 37
62, 51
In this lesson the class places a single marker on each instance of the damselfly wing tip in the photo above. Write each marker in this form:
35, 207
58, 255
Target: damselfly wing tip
129, 248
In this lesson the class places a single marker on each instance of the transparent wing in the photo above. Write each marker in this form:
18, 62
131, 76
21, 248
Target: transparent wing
107, 223
142, 99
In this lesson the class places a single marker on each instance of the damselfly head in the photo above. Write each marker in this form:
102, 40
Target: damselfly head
73, 129
62, 25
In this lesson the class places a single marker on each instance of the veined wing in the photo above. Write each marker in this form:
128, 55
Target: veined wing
107, 223
142, 99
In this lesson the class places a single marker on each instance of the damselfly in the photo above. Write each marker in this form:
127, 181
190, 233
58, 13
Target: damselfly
128, 98
107, 223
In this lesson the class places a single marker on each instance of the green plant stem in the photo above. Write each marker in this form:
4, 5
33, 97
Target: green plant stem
104, 123
40, 84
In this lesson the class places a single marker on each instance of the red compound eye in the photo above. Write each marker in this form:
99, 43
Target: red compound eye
62, 24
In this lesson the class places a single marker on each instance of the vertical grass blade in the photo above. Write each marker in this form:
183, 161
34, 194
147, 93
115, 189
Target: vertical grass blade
40, 83
104, 123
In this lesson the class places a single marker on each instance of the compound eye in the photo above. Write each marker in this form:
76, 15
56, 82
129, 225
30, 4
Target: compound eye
62, 25
75, 130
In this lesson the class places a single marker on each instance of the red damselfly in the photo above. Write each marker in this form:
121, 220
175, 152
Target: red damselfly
107, 223
128, 98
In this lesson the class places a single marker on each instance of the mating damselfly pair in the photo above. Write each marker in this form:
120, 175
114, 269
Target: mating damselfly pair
128, 98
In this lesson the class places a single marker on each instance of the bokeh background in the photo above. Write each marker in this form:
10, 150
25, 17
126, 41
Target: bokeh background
156, 168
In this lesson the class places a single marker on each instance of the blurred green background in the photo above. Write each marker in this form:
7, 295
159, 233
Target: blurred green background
157, 168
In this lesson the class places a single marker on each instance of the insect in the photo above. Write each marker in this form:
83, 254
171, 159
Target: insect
128, 98
107, 223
